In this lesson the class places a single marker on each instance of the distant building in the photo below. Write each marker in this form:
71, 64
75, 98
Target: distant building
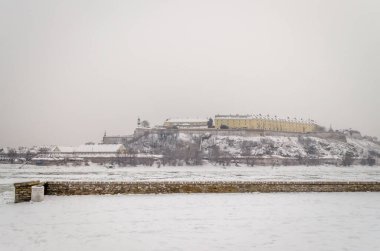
117, 139
352, 133
186, 123
88, 151
261, 122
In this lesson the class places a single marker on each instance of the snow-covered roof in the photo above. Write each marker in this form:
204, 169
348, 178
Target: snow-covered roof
47, 158
118, 136
64, 149
187, 120
99, 148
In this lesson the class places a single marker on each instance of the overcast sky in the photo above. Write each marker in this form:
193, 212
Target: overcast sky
69, 70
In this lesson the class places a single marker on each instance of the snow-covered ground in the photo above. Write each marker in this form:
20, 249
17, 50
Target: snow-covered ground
293, 146
10, 174
280, 221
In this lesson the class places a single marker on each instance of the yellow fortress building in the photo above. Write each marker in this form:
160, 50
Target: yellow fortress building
260, 122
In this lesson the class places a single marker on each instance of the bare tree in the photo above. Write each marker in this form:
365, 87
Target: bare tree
145, 124
131, 157
225, 158
210, 123
119, 158
246, 148
371, 161
246, 152
29, 156
43, 150
12, 155
214, 153
348, 159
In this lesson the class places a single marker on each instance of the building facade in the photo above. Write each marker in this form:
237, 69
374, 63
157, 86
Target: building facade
117, 139
267, 123
88, 151
186, 123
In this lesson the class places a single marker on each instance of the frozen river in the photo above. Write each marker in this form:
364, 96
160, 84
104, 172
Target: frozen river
16, 173
10, 174
278, 221
254, 221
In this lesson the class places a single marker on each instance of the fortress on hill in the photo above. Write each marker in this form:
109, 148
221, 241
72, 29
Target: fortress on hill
253, 122
238, 125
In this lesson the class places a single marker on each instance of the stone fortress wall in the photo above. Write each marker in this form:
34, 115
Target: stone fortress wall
238, 132
266, 123
165, 187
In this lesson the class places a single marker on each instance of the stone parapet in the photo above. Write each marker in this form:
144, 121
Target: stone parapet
139, 132
100, 188
23, 190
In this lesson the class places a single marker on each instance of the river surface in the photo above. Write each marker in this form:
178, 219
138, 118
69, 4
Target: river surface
10, 174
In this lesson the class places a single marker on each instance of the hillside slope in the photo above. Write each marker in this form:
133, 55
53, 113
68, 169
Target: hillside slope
209, 146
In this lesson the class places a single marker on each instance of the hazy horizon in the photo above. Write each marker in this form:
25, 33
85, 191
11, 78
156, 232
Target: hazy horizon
70, 70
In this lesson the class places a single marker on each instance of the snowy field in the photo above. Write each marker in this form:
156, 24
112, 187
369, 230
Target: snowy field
10, 174
278, 221
254, 221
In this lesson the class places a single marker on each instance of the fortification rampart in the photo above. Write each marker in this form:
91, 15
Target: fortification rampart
239, 132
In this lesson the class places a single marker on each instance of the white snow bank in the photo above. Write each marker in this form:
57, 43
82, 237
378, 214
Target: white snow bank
282, 221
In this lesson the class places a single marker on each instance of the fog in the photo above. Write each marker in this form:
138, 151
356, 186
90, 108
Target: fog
69, 70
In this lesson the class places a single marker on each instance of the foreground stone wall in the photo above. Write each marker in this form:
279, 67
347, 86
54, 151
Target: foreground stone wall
91, 188
23, 190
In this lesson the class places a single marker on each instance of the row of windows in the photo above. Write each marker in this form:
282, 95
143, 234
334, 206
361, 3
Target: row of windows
259, 125
258, 122
267, 125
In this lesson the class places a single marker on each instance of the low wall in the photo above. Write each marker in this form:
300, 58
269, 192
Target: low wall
91, 188
23, 190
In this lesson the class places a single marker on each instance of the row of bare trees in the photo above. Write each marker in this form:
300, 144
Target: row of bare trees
12, 154
182, 154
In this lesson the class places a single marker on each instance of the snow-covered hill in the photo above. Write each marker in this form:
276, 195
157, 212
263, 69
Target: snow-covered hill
302, 146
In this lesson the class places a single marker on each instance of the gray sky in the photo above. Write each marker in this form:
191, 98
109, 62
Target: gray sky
71, 69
